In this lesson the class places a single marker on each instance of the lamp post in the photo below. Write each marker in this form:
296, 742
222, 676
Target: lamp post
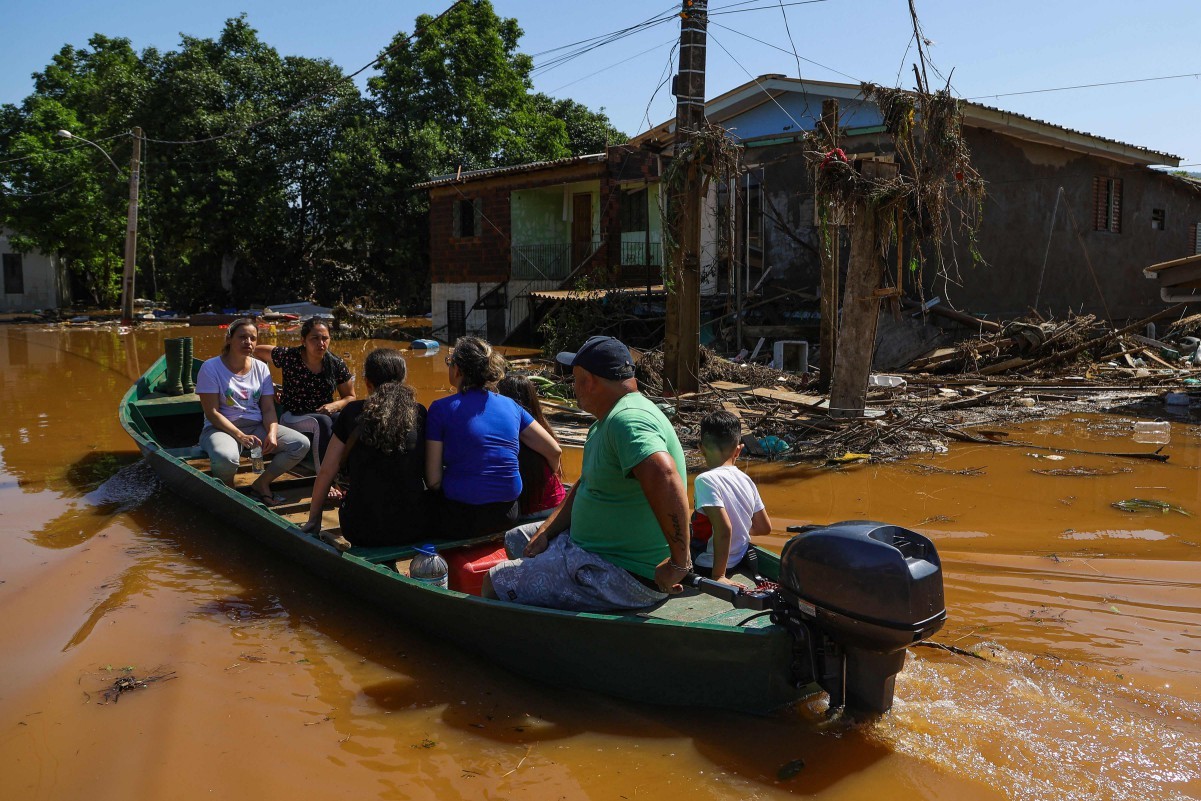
131, 227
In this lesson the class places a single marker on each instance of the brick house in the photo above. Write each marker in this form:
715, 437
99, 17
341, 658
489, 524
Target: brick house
497, 235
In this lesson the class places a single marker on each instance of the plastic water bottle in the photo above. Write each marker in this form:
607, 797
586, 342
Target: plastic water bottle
1149, 432
256, 458
429, 568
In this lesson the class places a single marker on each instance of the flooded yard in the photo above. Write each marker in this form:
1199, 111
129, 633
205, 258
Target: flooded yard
1074, 632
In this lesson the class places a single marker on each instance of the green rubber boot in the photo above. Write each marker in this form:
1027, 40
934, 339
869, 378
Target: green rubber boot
185, 366
172, 383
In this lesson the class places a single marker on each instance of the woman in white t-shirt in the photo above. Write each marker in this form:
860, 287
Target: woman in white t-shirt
238, 400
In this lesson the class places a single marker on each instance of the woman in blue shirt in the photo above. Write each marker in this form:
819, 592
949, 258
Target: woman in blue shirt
472, 441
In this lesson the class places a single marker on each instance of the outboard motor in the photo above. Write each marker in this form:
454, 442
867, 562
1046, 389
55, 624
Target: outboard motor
854, 595
869, 590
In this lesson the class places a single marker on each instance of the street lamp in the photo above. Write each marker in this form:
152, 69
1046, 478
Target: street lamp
131, 228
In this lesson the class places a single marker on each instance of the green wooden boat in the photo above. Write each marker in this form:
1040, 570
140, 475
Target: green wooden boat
740, 659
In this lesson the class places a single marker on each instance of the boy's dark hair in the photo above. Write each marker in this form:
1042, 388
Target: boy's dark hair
722, 428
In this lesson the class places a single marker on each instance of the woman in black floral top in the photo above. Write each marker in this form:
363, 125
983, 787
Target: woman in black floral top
311, 377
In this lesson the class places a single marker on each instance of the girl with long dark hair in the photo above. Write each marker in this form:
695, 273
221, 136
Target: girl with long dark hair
541, 486
312, 376
382, 442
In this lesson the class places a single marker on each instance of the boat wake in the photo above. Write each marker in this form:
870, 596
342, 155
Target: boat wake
127, 489
1038, 728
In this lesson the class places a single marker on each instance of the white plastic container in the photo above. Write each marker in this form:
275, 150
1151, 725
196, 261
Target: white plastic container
429, 568
886, 381
1153, 432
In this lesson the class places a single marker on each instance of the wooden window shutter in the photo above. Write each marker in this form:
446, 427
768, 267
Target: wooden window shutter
455, 227
477, 206
1115, 205
1100, 207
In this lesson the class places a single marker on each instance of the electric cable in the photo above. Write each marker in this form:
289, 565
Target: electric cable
596, 42
62, 149
772, 7
611, 66
772, 97
782, 50
1086, 86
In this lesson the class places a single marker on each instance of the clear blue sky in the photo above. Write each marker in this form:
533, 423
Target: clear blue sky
993, 47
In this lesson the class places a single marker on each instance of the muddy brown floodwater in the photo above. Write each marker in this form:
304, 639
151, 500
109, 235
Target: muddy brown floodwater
1088, 620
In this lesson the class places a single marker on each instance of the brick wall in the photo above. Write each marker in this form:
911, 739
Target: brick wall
482, 257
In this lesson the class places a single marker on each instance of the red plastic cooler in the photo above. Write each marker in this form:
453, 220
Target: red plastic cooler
467, 566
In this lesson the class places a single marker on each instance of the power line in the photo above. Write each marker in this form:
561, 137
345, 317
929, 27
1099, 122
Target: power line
611, 66
1088, 86
771, 7
661, 16
9, 193
782, 50
62, 149
756, 80
664, 77
804, 91
588, 45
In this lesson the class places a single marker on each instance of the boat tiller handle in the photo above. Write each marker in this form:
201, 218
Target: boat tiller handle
738, 597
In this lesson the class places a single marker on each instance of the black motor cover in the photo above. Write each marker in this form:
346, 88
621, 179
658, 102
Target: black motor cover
872, 589
869, 572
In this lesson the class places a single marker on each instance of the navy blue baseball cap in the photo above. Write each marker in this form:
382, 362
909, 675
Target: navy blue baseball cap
604, 357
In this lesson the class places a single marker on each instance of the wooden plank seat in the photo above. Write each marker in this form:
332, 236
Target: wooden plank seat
387, 554
158, 405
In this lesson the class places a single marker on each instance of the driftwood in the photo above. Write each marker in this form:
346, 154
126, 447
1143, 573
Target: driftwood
964, 436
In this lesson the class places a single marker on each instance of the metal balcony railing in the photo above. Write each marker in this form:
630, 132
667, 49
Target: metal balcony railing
637, 253
550, 261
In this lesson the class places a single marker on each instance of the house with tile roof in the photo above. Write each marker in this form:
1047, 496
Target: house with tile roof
1068, 222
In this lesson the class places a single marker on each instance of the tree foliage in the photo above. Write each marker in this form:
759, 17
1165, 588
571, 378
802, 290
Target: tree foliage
67, 198
268, 177
588, 131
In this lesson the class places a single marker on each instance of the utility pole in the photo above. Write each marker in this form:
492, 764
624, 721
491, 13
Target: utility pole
131, 230
681, 345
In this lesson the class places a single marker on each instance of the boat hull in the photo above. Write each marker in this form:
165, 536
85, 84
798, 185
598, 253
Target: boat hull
632, 656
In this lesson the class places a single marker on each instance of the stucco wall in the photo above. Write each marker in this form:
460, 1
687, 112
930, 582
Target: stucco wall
1090, 272
42, 279
1023, 180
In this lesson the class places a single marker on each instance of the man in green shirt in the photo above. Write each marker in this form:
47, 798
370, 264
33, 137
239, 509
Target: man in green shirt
625, 520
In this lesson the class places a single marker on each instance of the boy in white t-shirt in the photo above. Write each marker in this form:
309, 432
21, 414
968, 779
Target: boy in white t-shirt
726, 499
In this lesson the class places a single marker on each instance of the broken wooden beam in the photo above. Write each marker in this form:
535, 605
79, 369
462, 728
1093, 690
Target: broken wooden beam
1103, 339
963, 318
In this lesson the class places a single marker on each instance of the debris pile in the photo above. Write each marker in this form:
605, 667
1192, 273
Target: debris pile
1008, 373
1038, 347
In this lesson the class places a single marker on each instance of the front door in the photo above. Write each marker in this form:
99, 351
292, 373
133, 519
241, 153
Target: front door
581, 228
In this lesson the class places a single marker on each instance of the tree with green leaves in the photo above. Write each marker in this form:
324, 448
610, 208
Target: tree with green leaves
64, 196
266, 177
588, 131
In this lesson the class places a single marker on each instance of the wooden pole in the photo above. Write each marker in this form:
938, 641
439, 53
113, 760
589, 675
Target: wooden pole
131, 230
860, 313
736, 268
681, 345
830, 261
